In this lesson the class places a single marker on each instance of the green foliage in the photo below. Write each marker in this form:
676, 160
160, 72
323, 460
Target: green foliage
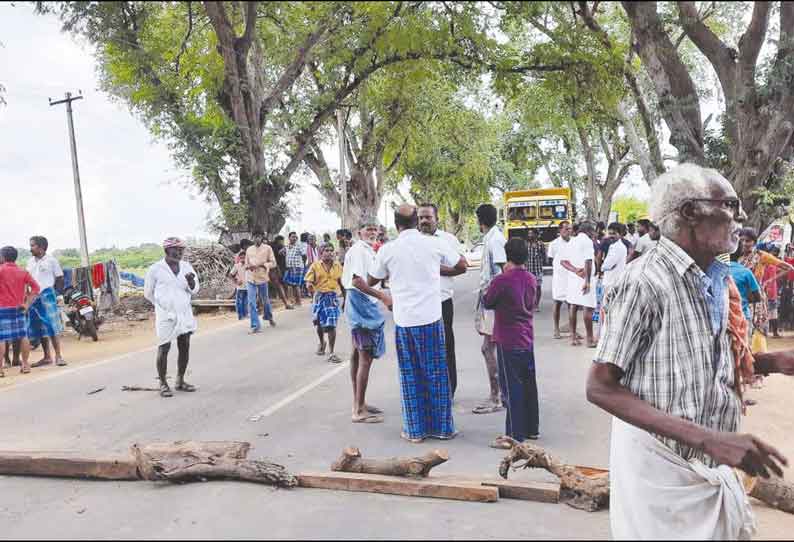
629, 209
133, 259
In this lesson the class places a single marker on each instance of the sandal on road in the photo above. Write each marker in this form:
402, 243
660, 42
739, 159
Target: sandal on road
165, 391
369, 418
321, 350
405, 436
333, 358
501, 443
184, 386
487, 408
60, 362
557, 336
42, 363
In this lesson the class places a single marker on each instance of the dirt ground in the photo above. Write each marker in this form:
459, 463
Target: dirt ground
116, 338
771, 419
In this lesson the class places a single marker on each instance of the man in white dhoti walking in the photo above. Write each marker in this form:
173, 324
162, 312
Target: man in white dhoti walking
559, 275
666, 370
169, 286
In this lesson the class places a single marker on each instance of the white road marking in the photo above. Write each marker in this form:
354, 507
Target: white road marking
299, 393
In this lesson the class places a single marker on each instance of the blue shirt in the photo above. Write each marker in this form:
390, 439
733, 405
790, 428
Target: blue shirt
746, 283
714, 290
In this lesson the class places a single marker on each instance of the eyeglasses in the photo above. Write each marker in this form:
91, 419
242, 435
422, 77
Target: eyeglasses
733, 204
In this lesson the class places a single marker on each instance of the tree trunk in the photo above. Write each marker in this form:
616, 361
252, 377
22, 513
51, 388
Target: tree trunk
414, 467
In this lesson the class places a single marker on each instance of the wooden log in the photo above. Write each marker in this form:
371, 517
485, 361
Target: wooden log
376, 483
526, 491
577, 488
773, 491
189, 461
69, 465
413, 467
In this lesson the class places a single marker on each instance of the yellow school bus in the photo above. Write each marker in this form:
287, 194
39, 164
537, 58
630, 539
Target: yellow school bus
540, 209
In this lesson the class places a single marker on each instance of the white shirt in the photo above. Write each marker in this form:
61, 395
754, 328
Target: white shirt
645, 244
493, 253
581, 250
557, 251
359, 262
447, 283
614, 263
412, 262
45, 270
171, 295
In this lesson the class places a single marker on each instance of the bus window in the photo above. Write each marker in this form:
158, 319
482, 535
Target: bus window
556, 211
521, 213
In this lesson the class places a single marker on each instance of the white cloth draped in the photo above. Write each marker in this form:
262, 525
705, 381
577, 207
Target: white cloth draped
657, 495
171, 295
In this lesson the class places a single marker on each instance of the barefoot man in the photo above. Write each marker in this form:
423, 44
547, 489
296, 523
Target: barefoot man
324, 281
493, 260
559, 275
169, 286
666, 371
364, 316
580, 261
413, 263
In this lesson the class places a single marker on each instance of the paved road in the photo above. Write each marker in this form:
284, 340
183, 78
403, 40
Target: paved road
303, 410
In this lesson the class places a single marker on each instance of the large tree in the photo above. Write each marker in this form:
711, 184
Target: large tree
757, 86
226, 82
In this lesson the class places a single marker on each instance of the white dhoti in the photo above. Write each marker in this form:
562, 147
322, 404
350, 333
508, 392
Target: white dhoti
657, 495
171, 297
559, 284
574, 295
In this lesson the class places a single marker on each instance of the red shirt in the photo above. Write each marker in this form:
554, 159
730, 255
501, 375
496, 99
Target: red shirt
770, 282
13, 283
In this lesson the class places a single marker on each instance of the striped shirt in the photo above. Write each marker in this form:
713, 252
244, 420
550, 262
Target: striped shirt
658, 329
294, 257
536, 258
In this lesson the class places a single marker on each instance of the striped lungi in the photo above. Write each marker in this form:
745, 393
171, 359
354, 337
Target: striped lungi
13, 324
424, 381
325, 309
294, 276
44, 316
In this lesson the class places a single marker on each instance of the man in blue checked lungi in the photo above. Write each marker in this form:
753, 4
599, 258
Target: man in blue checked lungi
293, 278
364, 317
324, 281
44, 316
413, 264
17, 292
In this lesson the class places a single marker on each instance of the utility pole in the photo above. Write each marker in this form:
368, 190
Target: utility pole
78, 194
340, 123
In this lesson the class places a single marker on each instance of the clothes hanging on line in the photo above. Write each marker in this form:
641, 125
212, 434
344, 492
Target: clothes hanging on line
97, 275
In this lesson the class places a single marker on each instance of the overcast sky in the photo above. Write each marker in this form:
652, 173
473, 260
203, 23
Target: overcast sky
133, 192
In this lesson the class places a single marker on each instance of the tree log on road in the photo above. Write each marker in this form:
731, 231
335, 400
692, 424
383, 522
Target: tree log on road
577, 488
774, 491
190, 461
412, 467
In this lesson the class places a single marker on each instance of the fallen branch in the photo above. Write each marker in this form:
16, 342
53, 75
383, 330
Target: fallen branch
138, 388
190, 461
412, 467
578, 488
178, 462
774, 491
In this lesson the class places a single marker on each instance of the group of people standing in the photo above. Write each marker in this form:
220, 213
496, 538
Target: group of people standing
29, 311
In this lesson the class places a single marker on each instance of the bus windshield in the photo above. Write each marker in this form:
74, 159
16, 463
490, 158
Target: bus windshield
522, 211
556, 210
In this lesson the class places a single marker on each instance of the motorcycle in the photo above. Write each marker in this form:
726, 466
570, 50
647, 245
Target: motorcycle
81, 312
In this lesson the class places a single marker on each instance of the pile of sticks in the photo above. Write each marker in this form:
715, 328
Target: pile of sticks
212, 264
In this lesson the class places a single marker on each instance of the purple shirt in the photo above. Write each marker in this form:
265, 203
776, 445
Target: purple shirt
512, 296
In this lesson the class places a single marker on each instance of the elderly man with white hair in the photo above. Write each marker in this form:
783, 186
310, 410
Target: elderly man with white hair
665, 370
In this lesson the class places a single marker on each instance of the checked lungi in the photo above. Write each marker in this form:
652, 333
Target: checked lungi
13, 324
424, 381
44, 316
294, 276
325, 310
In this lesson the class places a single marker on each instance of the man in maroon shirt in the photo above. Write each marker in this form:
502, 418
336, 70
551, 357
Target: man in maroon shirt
17, 291
511, 296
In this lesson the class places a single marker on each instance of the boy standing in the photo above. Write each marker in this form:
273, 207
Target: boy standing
511, 295
18, 291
